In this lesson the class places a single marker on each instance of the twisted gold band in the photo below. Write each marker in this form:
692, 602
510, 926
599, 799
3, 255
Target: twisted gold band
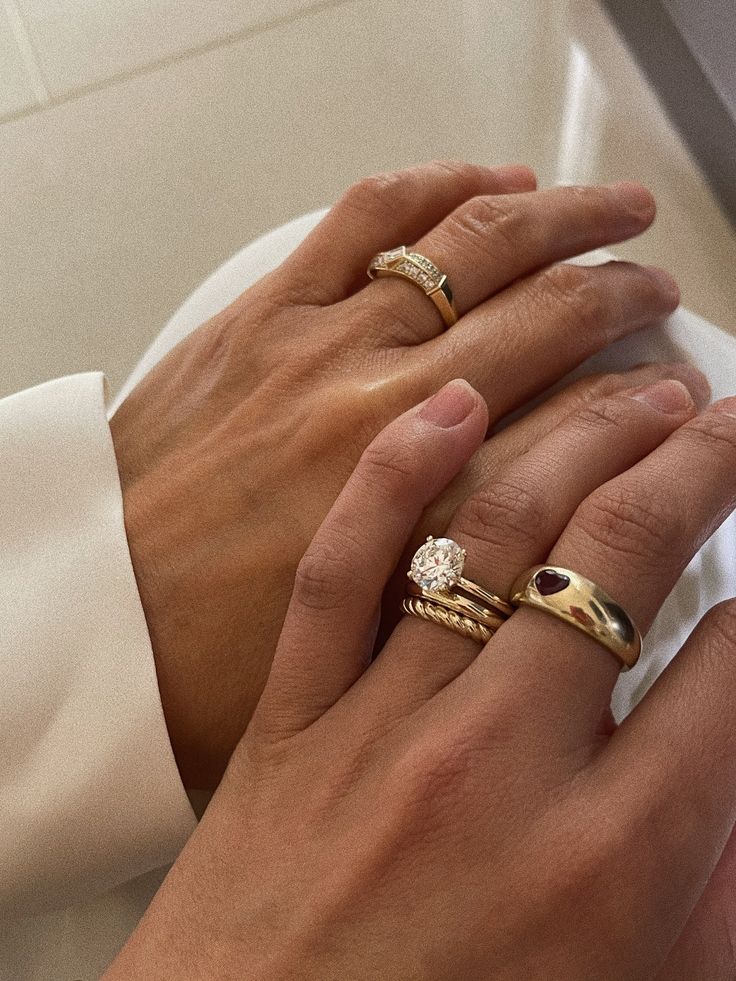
421, 271
426, 610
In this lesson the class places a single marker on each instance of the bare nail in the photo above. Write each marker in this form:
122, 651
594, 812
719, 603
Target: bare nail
726, 407
637, 200
665, 284
668, 396
451, 405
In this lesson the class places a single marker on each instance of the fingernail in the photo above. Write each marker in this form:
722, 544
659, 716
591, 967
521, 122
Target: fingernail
668, 396
665, 284
726, 407
517, 176
694, 381
451, 405
637, 200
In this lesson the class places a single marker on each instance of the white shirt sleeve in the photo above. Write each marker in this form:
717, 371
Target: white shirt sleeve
90, 795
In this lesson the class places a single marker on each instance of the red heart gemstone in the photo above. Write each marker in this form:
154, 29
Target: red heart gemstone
548, 581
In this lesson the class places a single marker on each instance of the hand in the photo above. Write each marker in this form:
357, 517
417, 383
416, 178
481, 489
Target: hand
233, 448
451, 812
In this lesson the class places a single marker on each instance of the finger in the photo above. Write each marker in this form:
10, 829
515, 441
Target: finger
504, 447
540, 418
515, 519
383, 211
490, 241
707, 945
521, 435
328, 634
633, 536
673, 761
535, 332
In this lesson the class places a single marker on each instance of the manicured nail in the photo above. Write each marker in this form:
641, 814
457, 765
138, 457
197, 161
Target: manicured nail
451, 405
667, 396
665, 283
637, 200
726, 406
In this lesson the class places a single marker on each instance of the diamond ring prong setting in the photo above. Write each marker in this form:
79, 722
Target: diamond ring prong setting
437, 565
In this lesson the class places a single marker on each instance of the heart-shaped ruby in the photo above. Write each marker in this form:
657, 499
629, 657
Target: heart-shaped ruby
548, 581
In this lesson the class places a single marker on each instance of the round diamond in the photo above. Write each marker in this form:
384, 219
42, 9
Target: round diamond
438, 564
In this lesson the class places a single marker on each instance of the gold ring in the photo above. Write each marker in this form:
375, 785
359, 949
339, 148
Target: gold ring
460, 604
582, 604
438, 592
437, 573
421, 271
426, 610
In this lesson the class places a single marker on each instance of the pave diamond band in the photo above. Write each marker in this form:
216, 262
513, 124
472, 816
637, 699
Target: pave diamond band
421, 271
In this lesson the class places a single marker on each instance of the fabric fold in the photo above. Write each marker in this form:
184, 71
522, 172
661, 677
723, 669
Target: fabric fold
90, 794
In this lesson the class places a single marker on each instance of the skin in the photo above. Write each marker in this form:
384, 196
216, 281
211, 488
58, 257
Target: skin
448, 811
233, 448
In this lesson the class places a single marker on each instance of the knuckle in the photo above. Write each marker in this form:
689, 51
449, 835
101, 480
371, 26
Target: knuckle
488, 221
606, 414
319, 583
720, 622
593, 386
504, 512
576, 291
591, 862
578, 394
375, 194
628, 521
713, 429
452, 168
387, 466
595, 203
430, 774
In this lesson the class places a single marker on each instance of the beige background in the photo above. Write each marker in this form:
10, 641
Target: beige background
142, 142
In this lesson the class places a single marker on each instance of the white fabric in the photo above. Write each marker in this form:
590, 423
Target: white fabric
90, 795
83, 689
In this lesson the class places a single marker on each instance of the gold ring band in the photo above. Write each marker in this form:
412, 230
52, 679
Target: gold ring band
495, 602
421, 271
432, 612
439, 592
460, 604
582, 604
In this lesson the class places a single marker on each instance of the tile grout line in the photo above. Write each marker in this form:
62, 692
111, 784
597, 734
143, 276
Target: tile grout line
23, 40
149, 68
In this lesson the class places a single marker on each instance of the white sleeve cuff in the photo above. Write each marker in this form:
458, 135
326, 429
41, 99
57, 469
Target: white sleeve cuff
90, 794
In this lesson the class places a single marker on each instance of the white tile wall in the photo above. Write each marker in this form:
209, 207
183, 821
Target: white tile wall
83, 42
16, 80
